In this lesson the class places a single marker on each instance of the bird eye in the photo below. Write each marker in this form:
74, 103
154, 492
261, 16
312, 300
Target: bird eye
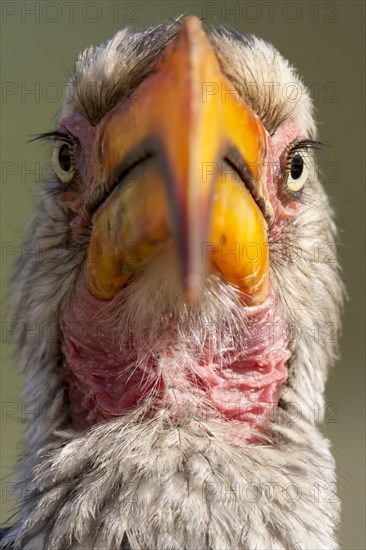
298, 173
63, 161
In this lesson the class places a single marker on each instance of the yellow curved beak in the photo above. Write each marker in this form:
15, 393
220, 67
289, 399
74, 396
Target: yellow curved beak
181, 160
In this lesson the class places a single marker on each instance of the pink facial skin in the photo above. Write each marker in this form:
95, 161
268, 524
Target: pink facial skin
74, 197
84, 134
284, 206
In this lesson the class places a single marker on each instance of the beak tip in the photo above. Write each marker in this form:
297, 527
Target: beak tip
192, 289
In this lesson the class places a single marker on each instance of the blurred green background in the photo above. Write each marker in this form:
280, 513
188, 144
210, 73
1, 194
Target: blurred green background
325, 41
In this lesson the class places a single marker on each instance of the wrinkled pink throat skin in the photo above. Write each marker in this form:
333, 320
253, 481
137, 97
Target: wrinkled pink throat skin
104, 381
108, 377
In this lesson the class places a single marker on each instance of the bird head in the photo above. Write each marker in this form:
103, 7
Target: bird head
186, 263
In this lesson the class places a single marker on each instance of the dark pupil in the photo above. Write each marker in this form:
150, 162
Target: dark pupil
297, 166
64, 158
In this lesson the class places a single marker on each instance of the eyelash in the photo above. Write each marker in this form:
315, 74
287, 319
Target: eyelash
299, 145
55, 135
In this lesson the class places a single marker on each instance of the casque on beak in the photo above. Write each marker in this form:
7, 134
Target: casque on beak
181, 159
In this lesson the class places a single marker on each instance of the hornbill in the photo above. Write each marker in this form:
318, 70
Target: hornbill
184, 319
